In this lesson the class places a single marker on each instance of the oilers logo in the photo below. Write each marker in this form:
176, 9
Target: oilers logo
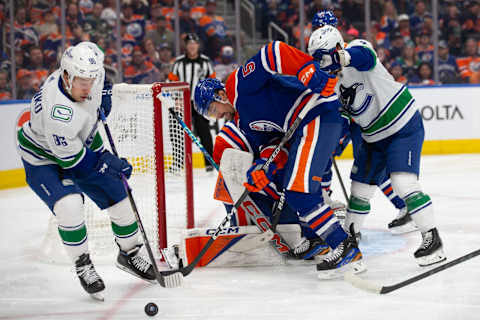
265, 126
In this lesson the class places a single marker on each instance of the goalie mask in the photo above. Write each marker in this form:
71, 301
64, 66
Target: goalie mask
79, 61
322, 46
205, 93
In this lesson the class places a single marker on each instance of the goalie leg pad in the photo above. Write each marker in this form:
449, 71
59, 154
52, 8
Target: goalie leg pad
71, 225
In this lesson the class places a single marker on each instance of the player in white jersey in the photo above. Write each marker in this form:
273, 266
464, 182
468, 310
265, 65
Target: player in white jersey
64, 159
392, 130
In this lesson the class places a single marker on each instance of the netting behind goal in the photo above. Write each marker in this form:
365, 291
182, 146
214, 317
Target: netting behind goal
145, 133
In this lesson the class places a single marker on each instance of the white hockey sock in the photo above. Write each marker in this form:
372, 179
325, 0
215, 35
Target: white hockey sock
71, 225
124, 224
420, 208
357, 211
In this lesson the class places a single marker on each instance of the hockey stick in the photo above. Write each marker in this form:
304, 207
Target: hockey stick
189, 268
376, 288
251, 242
172, 279
340, 179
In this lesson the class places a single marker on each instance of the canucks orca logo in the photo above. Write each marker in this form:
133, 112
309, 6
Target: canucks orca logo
347, 98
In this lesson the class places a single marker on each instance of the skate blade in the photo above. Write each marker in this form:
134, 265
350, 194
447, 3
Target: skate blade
353, 267
409, 227
97, 296
133, 273
436, 257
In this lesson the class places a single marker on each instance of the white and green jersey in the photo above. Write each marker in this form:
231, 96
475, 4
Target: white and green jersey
59, 129
376, 102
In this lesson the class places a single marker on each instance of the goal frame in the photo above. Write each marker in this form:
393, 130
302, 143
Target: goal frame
159, 154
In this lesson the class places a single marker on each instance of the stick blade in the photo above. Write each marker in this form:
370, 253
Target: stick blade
173, 280
363, 284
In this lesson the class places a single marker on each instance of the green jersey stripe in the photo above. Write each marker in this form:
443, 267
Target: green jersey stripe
391, 114
24, 142
97, 143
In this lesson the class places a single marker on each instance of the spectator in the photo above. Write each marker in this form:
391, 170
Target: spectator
226, 64
191, 68
166, 61
397, 72
76, 35
351, 10
425, 48
161, 34
73, 16
25, 33
471, 18
140, 8
187, 24
85, 6
404, 27
152, 54
469, 64
5, 90
351, 34
213, 30
25, 89
409, 60
447, 67
397, 45
155, 12
140, 70
36, 65
424, 75
195, 10
38, 10
109, 13
94, 22
135, 23
388, 22
46, 25
416, 20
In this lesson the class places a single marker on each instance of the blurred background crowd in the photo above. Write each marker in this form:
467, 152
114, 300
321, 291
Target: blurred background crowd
401, 31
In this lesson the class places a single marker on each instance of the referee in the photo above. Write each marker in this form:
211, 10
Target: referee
192, 67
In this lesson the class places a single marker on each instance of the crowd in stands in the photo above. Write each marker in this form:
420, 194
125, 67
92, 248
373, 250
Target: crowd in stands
401, 33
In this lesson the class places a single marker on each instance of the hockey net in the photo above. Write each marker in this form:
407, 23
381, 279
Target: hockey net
144, 133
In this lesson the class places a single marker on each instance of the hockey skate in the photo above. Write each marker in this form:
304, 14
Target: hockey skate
310, 248
403, 223
431, 249
346, 257
89, 278
134, 263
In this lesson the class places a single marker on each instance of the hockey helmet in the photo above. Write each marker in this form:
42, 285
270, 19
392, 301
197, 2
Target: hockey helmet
323, 44
80, 61
323, 18
206, 92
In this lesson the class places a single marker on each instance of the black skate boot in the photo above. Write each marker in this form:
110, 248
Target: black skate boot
431, 249
403, 223
345, 257
309, 248
134, 263
89, 278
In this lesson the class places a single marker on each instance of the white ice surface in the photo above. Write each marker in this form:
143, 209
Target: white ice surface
30, 289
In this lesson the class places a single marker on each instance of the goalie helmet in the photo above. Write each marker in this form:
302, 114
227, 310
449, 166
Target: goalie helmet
79, 61
205, 93
323, 18
323, 44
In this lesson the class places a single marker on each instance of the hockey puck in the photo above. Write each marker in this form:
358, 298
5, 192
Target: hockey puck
151, 309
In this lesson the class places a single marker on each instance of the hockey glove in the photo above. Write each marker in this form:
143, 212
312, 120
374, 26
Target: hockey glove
319, 81
257, 178
112, 166
106, 104
341, 57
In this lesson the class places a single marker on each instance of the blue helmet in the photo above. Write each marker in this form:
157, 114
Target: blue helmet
323, 18
205, 93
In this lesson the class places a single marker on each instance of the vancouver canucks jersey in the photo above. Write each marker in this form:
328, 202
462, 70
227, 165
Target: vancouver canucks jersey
60, 129
377, 103
268, 97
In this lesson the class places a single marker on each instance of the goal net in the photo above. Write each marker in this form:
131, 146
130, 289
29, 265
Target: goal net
161, 155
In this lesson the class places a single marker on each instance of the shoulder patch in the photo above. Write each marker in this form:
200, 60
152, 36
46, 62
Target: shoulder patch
62, 113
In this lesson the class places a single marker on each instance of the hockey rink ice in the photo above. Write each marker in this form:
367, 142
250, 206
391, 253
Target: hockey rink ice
31, 289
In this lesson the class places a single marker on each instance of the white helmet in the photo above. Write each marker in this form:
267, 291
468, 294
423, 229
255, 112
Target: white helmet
79, 61
96, 49
323, 42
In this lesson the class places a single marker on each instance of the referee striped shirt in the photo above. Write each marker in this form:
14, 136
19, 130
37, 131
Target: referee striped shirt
191, 70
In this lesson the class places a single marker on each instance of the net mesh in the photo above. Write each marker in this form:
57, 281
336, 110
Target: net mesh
131, 123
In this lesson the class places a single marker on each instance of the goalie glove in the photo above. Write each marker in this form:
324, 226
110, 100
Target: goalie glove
257, 178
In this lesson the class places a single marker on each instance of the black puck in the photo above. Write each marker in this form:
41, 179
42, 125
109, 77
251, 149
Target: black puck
151, 309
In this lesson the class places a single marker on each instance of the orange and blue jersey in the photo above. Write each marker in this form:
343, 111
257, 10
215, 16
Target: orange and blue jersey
136, 26
213, 26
